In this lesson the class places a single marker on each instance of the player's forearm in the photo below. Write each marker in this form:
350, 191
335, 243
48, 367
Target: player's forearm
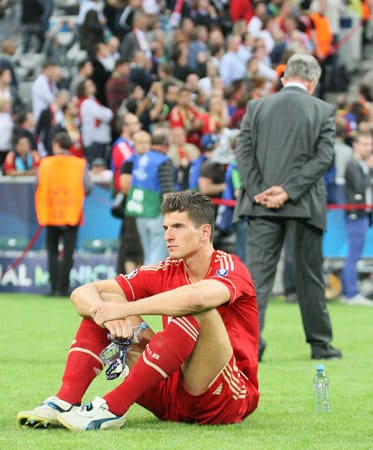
84, 298
166, 304
190, 299
88, 296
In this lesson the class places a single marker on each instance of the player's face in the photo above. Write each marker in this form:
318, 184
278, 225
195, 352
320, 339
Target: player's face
183, 238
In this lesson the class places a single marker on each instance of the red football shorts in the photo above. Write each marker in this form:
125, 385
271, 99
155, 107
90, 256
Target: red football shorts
229, 399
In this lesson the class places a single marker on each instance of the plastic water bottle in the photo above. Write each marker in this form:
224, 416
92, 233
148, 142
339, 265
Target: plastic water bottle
321, 389
114, 355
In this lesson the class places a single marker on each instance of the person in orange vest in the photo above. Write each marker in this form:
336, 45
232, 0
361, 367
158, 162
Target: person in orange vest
322, 37
63, 181
366, 15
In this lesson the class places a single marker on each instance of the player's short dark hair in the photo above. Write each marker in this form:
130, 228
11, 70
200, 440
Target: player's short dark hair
198, 206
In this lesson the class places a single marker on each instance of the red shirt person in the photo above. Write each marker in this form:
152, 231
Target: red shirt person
202, 367
187, 116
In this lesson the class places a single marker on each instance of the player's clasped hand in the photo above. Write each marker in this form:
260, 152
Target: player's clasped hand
110, 315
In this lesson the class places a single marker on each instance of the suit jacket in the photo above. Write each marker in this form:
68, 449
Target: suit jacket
129, 46
43, 128
100, 76
91, 32
286, 139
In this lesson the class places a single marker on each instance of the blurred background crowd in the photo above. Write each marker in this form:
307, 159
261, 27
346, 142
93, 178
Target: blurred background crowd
125, 77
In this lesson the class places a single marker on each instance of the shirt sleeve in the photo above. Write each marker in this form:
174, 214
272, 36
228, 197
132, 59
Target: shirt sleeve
127, 168
236, 179
141, 283
166, 173
235, 276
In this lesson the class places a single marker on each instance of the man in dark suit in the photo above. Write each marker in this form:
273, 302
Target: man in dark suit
136, 39
284, 148
101, 73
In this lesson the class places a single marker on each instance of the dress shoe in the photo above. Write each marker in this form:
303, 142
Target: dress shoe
328, 352
50, 294
62, 293
291, 298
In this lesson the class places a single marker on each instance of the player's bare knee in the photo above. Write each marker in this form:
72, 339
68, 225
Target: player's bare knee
207, 316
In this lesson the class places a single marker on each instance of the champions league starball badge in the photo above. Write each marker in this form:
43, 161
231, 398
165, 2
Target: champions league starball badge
222, 272
131, 274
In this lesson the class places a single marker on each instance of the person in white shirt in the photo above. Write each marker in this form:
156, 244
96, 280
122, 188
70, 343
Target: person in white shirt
44, 88
255, 24
95, 123
231, 66
6, 127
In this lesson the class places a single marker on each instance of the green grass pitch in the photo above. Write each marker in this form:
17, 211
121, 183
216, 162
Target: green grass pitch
36, 333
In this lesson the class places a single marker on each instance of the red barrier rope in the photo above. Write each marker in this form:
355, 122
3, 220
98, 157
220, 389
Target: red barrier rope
345, 206
215, 201
28, 247
345, 38
349, 206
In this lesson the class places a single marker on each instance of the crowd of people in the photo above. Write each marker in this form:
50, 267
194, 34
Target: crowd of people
158, 95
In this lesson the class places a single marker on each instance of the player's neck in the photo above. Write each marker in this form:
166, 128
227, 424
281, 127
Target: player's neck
198, 265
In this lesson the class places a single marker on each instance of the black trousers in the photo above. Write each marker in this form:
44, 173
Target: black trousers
59, 270
130, 248
288, 273
97, 151
264, 243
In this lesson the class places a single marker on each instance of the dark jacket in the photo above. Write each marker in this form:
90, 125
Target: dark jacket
91, 32
31, 12
100, 76
286, 139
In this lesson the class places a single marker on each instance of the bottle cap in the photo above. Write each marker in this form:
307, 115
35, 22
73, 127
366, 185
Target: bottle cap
320, 367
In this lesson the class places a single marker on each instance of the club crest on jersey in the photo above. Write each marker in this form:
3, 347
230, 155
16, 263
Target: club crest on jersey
222, 272
131, 274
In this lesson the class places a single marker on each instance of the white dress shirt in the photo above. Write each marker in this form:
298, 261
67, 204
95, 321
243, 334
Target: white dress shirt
95, 122
43, 92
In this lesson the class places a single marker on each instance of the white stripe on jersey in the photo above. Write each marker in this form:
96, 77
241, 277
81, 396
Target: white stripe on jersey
226, 261
163, 265
232, 378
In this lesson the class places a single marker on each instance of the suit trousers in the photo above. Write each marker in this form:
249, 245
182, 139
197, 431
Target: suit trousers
263, 249
59, 270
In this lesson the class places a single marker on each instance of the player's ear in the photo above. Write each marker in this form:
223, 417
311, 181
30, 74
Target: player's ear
206, 230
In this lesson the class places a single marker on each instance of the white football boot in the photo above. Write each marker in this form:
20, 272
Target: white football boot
94, 415
45, 415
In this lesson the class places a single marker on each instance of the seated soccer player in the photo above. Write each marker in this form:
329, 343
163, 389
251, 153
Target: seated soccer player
201, 368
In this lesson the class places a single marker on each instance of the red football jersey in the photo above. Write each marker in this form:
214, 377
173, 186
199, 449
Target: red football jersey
239, 314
